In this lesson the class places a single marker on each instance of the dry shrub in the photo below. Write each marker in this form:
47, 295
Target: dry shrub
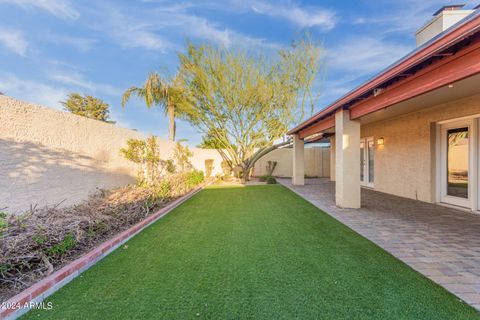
40, 241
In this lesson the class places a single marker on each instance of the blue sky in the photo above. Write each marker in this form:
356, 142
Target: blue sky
49, 48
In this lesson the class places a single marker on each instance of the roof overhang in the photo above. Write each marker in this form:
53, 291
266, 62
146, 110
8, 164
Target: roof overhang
451, 56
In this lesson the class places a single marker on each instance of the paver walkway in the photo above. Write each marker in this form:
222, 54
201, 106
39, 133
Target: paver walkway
439, 242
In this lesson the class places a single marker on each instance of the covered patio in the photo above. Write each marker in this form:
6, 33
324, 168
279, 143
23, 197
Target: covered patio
440, 242
410, 131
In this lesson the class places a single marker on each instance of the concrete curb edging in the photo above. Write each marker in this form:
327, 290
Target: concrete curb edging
21, 303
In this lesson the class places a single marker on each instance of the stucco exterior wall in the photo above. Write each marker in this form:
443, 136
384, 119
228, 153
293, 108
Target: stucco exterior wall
49, 156
317, 162
405, 164
332, 158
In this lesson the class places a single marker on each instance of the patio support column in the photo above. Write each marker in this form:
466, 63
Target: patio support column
298, 178
332, 158
347, 161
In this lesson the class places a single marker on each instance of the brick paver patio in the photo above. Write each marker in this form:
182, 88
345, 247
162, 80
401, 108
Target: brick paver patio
439, 242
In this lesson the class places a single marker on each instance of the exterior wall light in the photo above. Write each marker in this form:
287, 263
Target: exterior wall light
380, 141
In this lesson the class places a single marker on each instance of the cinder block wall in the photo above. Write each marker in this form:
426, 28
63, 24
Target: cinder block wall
317, 162
48, 156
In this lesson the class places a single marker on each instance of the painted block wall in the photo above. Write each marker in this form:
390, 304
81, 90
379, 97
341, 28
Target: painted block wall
49, 156
317, 162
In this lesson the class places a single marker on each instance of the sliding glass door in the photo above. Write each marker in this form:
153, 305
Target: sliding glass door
367, 161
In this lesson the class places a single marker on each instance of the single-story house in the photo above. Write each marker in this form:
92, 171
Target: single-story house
413, 130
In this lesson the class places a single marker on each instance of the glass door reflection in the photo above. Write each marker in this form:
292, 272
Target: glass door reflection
457, 162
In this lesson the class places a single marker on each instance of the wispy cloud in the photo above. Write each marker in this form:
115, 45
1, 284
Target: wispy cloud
364, 55
60, 8
79, 43
77, 82
418, 13
131, 32
14, 41
32, 91
356, 59
138, 36
201, 28
301, 16
156, 25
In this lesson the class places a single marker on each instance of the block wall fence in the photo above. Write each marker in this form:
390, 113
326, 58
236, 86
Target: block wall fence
49, 157
317, 162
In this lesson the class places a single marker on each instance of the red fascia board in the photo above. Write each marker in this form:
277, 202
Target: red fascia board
467, 28
463, 65
318, 127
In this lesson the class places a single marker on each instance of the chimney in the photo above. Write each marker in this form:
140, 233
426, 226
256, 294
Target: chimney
443, 19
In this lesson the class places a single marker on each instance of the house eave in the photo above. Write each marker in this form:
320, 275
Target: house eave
437, 47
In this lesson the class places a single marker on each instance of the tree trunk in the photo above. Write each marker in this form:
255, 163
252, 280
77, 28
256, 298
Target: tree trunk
145, 173
259, 154
245, 173
171, 122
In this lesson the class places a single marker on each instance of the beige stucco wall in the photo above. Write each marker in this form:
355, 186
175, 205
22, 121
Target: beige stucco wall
332, 158
405, 165
48, 156
317, 162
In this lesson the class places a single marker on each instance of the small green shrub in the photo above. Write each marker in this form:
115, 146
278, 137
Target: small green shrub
263, 178
182, 155
40, 239
68, 243
145, 153
163, 189
271, 180
4, 268
194, 177
98, 227
3, 222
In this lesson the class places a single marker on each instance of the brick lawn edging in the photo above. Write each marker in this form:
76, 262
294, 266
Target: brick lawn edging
14, 307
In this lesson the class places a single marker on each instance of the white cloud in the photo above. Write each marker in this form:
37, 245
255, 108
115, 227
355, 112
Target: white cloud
356, 58
14, 41
77, 82
32, 91
81, 44
364, 55
136, 36
60, 8
404, 16
132, 33
201, 28
148, 32
301, 16
50, 93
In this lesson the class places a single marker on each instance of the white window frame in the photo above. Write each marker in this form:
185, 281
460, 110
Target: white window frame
472, 203
366, 169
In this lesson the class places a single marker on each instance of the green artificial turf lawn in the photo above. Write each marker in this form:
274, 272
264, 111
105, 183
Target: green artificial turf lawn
257, 252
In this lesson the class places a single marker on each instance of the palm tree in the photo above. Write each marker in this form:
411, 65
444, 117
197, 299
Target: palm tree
157, 91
